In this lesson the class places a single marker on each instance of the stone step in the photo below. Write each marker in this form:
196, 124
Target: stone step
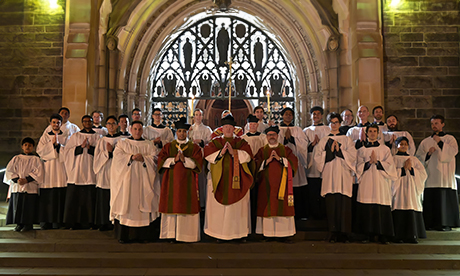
230, 260
307, 247
30, 271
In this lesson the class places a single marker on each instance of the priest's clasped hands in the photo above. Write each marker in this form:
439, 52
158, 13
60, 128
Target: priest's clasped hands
180, 157
227, 147
273, 155
335, 146
373, 158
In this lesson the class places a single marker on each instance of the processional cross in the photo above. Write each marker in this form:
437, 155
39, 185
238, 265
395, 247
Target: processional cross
230, 63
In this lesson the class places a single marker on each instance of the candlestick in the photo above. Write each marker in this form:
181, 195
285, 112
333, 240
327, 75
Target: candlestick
268, 105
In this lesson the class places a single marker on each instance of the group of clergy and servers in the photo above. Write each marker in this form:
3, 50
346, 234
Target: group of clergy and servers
367, 179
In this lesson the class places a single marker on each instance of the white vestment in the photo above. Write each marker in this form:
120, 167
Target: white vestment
255, 142
102, 161
338, 174
22, 166
165, 134
276, 226
375, 184
55, 174
79, 167
260, 128
227, 222
408, 189
300, 150
440, 167
134, 186
310, 132
67, 128
101, 130
397, 134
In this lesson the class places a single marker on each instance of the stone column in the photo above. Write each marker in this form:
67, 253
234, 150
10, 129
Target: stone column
75, 67
120, 106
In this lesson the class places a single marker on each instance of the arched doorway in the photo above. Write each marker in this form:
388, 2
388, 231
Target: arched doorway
212, 53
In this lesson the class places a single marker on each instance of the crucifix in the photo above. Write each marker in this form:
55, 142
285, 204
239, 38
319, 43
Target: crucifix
230, 63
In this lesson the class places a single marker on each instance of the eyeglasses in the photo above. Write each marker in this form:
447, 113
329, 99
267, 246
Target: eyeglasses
156, 114
334, 123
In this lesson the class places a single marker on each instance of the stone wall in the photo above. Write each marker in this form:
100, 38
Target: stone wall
421, 40
31, 40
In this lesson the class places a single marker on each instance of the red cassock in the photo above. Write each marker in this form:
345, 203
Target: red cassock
179, 187
224, 169
269, 182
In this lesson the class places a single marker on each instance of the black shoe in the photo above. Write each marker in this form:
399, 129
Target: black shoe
333, 237
383, 240
27, 227
18, 227
285, 240
411, 241
46, 226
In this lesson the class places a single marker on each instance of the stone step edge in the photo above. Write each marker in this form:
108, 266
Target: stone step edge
31, 271
313, 261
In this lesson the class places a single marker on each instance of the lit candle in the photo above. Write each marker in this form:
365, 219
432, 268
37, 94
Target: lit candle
268, 100
191, 108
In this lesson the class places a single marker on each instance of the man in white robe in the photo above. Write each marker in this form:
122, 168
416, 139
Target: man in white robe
81, 180
67, 127
229, 180
440, 200
316, 203
123, 123
54, 186
377, 113
293, 137
102, 166
261, 126
375, 170
348, 120
335, 157
200, 134
158, 132
134, 188
393, 133
98, 116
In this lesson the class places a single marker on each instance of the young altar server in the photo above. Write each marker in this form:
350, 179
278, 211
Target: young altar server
158, 132
54, 186
103, 156
440, 200
24, 173
81, 180
180, 162
407, 195
376, 171
335, 157
276, 165
134, 188
229, 180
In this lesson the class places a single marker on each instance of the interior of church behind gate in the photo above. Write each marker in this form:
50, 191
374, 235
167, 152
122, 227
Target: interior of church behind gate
117, 55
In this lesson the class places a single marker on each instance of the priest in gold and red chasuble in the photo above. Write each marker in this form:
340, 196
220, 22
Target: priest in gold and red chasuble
229, 180
276, 165
180, 162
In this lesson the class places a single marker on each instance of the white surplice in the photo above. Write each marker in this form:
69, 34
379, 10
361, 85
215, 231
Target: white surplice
134, 186
375, 184
310, 132
22, 166
338, 174
55, 174
408, 189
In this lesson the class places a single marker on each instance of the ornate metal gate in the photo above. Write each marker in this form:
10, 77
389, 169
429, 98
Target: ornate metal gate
194, 66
